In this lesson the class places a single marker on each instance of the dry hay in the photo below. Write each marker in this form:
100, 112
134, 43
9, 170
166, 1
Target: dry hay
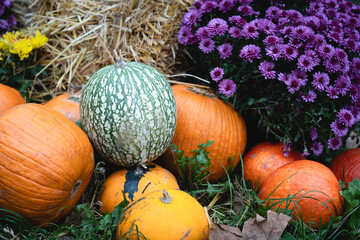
83, 35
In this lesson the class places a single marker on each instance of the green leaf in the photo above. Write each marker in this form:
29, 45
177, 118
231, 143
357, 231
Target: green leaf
352, 195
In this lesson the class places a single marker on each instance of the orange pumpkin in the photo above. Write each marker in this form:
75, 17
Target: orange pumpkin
202, 117
46, 162
67, 104
171, 214
135, 183
9, 97
308, 188
346, 165
264, 158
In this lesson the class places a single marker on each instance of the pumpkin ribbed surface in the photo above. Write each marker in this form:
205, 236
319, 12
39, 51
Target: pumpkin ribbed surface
180, 217
46, 162
200, 118
9, 97
307, 187
129, 113
264, 158
135, 182
346, 165
67, 104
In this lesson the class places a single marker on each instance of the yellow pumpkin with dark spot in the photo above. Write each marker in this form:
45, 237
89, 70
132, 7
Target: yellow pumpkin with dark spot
135, 182
175, 213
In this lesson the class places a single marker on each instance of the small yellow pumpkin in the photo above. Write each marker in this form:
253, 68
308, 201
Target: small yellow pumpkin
135, 182
175, 213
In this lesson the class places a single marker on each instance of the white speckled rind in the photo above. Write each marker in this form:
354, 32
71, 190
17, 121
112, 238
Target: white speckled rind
129, 113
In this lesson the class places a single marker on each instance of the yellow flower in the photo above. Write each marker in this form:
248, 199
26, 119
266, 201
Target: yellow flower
1, 58
12, 37
21, 48
38, 41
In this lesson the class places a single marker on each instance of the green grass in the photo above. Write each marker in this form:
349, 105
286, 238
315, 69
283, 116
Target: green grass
230, 202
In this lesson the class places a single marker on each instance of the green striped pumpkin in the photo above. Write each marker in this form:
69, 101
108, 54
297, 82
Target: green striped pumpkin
128, 111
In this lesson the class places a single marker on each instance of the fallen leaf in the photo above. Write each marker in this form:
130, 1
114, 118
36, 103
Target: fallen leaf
270, 228
224, 232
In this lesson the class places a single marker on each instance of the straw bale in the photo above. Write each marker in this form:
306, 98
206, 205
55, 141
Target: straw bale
83, 35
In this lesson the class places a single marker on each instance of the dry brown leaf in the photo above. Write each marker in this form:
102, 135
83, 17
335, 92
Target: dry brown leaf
258, 228
224, 232
270, 228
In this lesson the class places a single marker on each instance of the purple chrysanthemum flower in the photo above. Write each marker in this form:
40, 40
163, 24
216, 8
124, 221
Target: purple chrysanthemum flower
202, 32
289, 52
355, 64
217, 74
4, 25
273, 13
208, 6
266, 26
302, 33
238, 20
227, 87
225, 50
245, 2
332, 92
226, 5
317, 148
217, 26
350, 44
274, 51
12, 21
306, 63
250, 52
185, 35
326, 50
319, 40
340, 54
207, 45
283, 77
313, 134
334, 143
245, 10
311, 21
332, 65
266, 69
338, 128
309, 96
321, 81
346, 117
273, 39
6, 3
343, 84
293, 84
250, 30
235, 32
315, 7
191, 17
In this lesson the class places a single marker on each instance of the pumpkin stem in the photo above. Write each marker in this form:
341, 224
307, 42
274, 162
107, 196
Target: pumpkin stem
119, 61
166, 197
138, 170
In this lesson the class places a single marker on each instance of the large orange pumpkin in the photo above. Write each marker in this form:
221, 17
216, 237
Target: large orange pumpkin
170, 214
67, 104
46, 162
308, 188
202, 117
346, 165
9, 97
135, 182
264, 158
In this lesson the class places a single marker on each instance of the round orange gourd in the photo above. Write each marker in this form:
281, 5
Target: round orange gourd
135, 182
46, 162
9, 97
346, 165
170, 214
202, 117
67, 104
264, 158
311, 189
